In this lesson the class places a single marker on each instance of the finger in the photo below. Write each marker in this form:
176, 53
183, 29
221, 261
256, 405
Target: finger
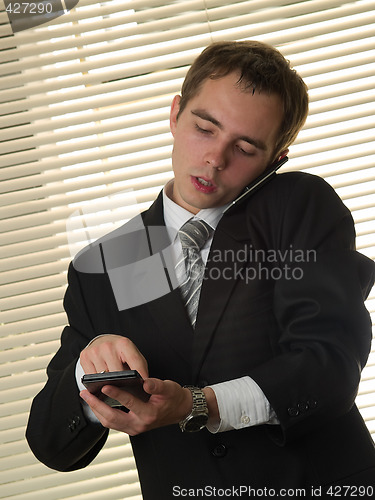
109, 417
115, 365
105, 355
131, 355
102, 355
91, 362
97, 406
133, 422
115, 353
94, 367
87, 363
130, 402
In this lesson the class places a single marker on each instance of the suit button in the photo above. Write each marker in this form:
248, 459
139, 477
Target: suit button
293, 412
219, 451
74, 423
303, 407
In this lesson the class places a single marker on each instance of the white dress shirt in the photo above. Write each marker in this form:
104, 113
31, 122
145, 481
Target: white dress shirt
241, 402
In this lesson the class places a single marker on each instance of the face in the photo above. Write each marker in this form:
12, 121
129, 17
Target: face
223, 139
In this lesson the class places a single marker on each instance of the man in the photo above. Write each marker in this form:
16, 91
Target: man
276, 342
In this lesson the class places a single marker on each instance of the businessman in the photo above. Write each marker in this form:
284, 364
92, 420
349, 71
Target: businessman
247, 321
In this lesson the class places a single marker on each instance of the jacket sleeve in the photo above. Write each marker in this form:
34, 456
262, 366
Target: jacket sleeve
57, 431
325, 328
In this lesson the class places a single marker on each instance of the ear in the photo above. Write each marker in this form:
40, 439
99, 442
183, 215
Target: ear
283, 154
175, 108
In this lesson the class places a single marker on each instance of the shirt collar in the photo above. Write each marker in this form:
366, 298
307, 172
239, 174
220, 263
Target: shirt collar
176, 216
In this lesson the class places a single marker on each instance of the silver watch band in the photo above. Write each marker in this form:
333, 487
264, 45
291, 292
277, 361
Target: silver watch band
198, 416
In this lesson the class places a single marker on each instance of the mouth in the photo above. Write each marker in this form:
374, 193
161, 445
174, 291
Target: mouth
203, 185
203, 181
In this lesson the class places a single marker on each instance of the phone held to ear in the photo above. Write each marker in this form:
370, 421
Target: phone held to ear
259, 181
128, 380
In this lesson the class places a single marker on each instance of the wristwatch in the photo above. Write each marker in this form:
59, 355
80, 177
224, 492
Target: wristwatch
198, 417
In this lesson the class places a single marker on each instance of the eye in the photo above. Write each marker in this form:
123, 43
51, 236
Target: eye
244, 151
202, 130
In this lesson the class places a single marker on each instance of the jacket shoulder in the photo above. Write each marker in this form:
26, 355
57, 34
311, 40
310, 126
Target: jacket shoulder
302, 180
305, 191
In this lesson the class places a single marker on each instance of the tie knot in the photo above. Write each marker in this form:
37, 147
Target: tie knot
194, 234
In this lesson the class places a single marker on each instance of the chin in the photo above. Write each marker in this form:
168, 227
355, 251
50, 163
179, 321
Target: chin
194, 202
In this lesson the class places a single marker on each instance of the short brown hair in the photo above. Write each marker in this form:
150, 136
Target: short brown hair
262, 68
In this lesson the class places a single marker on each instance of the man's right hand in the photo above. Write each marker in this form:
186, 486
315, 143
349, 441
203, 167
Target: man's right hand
113, 353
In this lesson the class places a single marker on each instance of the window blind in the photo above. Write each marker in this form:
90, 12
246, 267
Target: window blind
85, 145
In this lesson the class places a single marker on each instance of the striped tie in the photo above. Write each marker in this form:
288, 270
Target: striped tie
193, 236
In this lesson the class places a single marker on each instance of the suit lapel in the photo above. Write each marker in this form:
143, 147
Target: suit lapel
169, 311
228, 256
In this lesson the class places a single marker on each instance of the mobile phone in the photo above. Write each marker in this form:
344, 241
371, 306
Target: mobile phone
259, 181
128, 380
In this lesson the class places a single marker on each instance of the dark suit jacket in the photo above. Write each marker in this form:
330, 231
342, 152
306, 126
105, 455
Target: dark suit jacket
304, 338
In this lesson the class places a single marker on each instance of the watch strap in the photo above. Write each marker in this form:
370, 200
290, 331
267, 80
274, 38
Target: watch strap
199, 409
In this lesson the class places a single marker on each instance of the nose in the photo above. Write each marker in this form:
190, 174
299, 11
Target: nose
216, 158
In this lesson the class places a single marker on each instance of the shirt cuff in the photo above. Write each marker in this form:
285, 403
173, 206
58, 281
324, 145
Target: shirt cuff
241, 404
87, 411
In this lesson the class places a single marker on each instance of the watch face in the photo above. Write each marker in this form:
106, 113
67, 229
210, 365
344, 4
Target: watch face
196, 423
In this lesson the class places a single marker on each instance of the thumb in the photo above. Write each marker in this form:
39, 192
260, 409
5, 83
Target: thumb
153, 386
